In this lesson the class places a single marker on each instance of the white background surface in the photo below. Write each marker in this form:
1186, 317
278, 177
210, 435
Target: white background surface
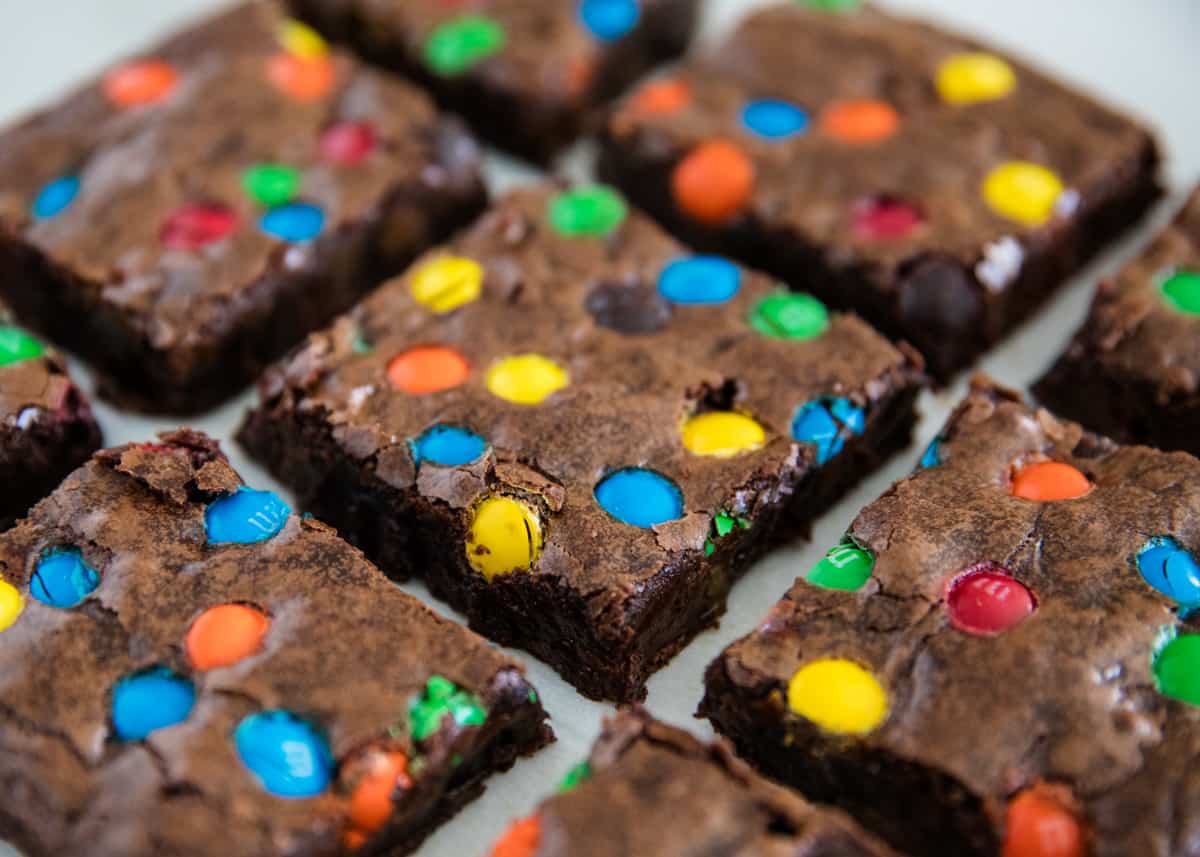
1142, 55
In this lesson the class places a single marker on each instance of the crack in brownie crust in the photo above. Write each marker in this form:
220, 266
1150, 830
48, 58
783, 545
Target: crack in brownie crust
46, 424
649, 789
189, 217
1012, 654
527, 74
186, 668
1132, 372
885, 166
631, 438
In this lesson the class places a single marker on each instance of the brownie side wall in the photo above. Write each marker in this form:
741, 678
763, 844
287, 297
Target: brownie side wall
35, 460
267, 319
605, 657
934, 302
530, 124
917, 810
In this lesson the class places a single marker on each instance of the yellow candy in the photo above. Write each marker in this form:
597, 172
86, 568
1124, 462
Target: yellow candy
839, 696
1023, 192
526, 379
505, 536
722, 434
447, 283
11, 605
301, 40
975, 77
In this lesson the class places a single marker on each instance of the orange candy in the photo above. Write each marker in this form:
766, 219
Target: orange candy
713, 182
860, 121
139, 83
223, 635
660, 97
353, 839
1039, 825
1044, 481
520, 840
427, 369
300, 78
371, 803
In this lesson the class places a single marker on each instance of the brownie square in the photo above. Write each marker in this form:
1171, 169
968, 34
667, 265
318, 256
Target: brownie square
1132, 371
188, 217
1002, 657
46, 424
651, 790
529, 75
578, 433
188, 668
938, 188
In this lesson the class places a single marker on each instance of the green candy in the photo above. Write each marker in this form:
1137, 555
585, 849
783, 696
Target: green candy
578, 774
587, 212
787, 315
723, 524
846, 567
833, 5
17, 345
441, 699
1176, 669
1182, 291
271, 184
461, 43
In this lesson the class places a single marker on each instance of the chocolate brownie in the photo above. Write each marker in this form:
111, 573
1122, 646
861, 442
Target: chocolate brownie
189, 668
578, 433
46, 424
1132, 372
885, 165
651, 790
1003, 650
527, 74
188, 217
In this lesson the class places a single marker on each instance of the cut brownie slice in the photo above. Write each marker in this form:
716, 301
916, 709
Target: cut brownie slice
578, 433
189, 217
886, 166
651, 790
46, 424
526, 73
1003, 650
1132, 371
188, 668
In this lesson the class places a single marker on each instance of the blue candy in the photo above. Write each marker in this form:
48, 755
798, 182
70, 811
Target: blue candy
151, 700
699, 280
774, 119
824, 422
1171, 569
63, 579
296, 221
932, 456
448, 445
245, 517
55, 196
639, 497
609, 20
288, 755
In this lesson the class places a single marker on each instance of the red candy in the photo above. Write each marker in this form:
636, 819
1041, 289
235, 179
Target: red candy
1041, 824
885, 219
347, 143
986, 600
194, 227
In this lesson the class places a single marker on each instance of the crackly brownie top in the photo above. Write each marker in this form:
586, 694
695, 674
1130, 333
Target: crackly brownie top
1145, 323
34, 384
881, 138
590, 400
651, 790
177, 180
543, 49
187, 667
1013, 613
